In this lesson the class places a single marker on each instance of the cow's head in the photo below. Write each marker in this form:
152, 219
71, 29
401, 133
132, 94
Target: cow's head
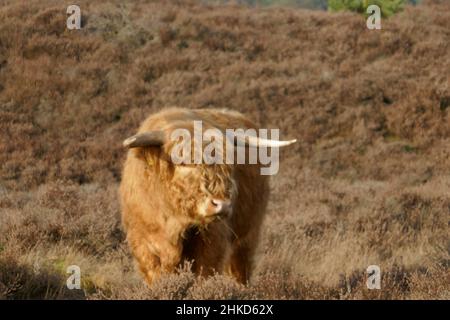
202, 192
206, 192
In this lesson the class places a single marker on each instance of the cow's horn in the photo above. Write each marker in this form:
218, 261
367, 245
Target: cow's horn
252, 141
145, 139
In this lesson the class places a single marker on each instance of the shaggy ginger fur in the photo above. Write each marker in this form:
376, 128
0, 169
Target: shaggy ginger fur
165, 207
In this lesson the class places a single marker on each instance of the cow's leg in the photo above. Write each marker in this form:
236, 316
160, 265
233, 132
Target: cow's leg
208, 249
241, 261
154, 255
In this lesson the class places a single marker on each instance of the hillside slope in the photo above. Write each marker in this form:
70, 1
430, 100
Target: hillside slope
367, 183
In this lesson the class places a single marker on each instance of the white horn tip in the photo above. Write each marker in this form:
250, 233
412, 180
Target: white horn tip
129, 141
287, 143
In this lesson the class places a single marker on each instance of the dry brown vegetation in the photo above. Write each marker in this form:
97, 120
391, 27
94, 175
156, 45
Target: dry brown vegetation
367, 183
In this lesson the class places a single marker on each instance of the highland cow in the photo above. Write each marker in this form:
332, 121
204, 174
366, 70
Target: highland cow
209, 214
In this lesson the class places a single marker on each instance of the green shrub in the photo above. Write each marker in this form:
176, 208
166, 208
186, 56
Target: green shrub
388, 7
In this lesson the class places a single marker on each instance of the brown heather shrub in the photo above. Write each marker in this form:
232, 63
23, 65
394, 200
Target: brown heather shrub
367, 183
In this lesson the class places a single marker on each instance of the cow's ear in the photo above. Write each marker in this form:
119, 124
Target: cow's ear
156, 160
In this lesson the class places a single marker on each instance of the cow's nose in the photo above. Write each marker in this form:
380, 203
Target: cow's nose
221, 205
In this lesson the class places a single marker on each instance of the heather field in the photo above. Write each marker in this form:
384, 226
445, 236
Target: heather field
367, 183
